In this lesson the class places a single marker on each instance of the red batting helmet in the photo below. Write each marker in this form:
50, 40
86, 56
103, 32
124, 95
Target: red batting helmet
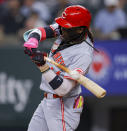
74, 16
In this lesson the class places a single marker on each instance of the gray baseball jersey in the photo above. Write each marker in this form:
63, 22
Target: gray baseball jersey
77, 57
63, 114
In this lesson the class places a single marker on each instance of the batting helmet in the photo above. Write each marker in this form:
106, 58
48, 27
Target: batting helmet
74, 16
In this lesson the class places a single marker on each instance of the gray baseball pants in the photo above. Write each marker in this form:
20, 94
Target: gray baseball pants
55, 114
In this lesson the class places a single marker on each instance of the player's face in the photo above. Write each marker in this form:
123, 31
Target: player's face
70, 33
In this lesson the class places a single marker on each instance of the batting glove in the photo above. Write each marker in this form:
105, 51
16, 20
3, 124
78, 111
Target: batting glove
31, 43
38, 58
30, 52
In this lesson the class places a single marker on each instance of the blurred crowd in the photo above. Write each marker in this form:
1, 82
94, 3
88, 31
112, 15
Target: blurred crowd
18, 16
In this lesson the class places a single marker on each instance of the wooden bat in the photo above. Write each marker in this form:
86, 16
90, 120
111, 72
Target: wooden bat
87, 83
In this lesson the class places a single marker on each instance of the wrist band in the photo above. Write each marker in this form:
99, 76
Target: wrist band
56, 82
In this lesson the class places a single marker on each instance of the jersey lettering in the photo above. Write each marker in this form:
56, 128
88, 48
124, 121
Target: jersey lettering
58, 58
57, 55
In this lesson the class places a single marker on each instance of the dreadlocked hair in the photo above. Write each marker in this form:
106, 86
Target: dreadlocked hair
65, 44
90, 35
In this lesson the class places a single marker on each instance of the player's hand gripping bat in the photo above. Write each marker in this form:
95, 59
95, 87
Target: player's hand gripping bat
87, 83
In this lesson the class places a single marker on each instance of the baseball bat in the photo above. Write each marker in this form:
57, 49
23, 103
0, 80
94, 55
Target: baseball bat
93, 87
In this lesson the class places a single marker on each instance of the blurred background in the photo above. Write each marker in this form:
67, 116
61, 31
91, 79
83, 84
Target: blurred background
20, 79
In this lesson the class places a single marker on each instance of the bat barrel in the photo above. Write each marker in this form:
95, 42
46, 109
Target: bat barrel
93, 87
102, 95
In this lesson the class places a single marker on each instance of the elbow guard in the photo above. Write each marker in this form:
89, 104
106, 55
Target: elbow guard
40, 33
35, 33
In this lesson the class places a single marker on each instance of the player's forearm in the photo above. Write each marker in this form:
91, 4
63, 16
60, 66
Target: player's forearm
65, 85
34, 36
42, 33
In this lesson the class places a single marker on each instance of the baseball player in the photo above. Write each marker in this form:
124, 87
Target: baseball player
62, 104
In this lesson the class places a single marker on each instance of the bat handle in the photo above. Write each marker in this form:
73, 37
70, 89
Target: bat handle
47, 59
57, 64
